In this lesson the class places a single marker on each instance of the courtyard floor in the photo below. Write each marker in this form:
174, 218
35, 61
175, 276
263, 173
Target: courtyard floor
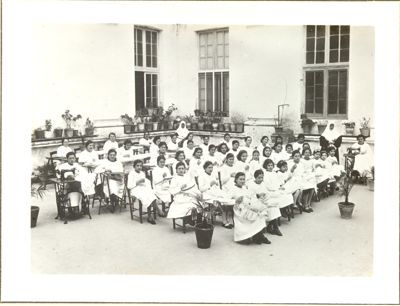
316, 244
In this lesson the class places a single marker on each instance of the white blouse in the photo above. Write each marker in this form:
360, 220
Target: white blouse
62, 151
108, 145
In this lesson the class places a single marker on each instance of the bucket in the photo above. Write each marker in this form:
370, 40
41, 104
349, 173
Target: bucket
204, 234
370, 184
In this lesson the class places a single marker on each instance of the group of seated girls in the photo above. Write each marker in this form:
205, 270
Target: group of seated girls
253, 184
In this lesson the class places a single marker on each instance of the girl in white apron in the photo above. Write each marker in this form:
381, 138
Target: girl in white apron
161, 181
249, 213
89, 158
179, 157
140, 188
269, 199
248, 147
272, 183
364, 157
210, 188
113, 169
241, 165
289, 183
306, 180
254, 163
228, 172
185, 192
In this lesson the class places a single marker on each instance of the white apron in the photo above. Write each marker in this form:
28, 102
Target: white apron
142, 191
161, 183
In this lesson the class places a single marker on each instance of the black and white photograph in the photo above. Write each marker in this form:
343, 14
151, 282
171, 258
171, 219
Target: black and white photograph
184, 156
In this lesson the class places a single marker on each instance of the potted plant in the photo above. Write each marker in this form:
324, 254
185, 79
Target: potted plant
148, 125
345, 185
47, 132
322, 126
128, 124
349, 126
89, 127
39, 133
204, 228
306, 124
227, 125
238, 120
371, 179
215, 120
58, 132
69, 118
365, 130
74, 125
36, 192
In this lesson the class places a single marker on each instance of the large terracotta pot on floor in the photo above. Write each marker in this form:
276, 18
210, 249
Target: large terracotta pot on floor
204, 233
346, 209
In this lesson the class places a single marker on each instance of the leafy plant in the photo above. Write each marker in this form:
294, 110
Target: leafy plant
345, 183
305, 121
69, 118
89, 124
237, 117
349, 124
204, 212
364, 123
48, 125
126, 119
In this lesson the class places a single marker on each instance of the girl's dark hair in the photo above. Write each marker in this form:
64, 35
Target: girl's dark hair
358, 136
317, 151
220, 146
281, 163
258, 172
255, 151
235, 141
128, 141
295, 152
277, 144
241, 152
112, 150
160, 157
196, 150
306, 149
263, 153
189, 141
112, 133
247, 137
229, 155
262, 138
306, 144
70, 153
267, 162
289, 145
331, 148
137, 161
227, 134
178, 153
190, 134
155, 139
211, 146
163, 143
179, 164
88, 143
174, 134
300, 136
239, 174
323, 151
206, 164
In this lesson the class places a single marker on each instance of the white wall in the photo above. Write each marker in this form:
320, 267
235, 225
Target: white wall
88, 69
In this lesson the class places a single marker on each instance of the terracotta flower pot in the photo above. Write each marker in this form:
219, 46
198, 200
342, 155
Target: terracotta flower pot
365, 132
204, 233
58, 133
140, 127
227, 127
68, 132
346, 209
201, 126
39, 134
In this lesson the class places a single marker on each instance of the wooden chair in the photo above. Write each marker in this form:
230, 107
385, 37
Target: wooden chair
132, 208
121, 201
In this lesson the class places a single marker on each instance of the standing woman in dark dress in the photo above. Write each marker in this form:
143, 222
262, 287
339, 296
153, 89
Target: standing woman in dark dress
331, 137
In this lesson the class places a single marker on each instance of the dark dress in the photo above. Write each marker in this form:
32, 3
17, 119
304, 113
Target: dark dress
324, 143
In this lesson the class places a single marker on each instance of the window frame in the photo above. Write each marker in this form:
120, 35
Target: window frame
148, 70
325, 67
213, 71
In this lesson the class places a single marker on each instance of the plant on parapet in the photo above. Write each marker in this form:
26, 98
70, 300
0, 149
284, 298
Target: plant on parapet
126, 119
349, 124
364, 123
48, 125
69, 118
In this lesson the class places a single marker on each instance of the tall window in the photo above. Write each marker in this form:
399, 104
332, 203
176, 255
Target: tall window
146, 67
213, 72
326, 71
